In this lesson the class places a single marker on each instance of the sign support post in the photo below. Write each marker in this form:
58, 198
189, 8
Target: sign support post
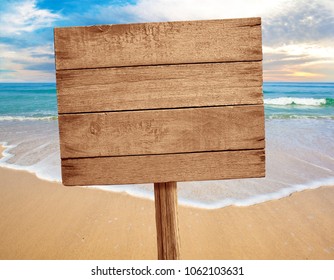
168, 241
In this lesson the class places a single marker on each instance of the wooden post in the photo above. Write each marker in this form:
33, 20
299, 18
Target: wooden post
167, 221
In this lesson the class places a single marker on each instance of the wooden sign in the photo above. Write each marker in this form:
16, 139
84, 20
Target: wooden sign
160, 102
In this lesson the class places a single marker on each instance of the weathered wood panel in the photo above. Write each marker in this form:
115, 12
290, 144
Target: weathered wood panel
162, 131
164, 168
160, 102
158, 43
149, 87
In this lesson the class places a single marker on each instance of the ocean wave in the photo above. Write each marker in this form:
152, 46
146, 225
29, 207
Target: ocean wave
224, 202
23, 118
284, 101
294, 116
42, 169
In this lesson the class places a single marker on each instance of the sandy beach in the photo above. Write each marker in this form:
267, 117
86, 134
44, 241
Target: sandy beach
45, 220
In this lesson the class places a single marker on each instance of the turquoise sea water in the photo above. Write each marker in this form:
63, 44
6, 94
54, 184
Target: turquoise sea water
299, 100
299, 143
27, 101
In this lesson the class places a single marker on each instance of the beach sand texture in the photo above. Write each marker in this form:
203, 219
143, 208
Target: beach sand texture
45, 220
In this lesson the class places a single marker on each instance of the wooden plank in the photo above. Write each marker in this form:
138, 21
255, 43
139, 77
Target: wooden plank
162, 131
168, 240
148, 87
158, 43
161, 168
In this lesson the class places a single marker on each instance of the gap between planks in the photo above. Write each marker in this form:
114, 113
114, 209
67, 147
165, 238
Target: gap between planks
154, 65
167, 154
160, 109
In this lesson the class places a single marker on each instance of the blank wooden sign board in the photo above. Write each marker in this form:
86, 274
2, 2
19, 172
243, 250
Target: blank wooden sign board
160, 102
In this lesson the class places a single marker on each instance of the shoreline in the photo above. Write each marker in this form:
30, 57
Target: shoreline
258, 199
45, 220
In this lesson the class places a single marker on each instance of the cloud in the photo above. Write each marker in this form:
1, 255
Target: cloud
298, 42
304, 50
171, 10
32, 64
26, 51
302, 62
39, 54
24, 16
301, 21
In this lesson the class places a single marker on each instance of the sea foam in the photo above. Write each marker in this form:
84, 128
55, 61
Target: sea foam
26, 118
283, 101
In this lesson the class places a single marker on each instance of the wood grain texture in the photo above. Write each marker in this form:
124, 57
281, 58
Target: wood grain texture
163, 168
162, 131
131, 88
160, 102
158, 43
166, 217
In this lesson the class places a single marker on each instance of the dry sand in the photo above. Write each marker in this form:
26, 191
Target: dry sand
44, 220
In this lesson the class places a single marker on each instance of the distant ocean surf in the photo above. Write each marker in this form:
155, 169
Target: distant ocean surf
299, 143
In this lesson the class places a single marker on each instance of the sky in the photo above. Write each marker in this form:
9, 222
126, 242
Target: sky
298, 35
